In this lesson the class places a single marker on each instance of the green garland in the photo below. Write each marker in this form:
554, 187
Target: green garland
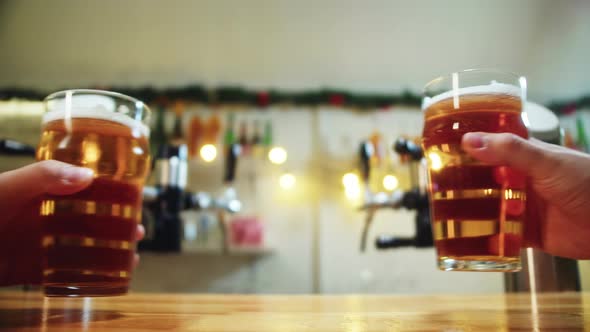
240, 96
569, 106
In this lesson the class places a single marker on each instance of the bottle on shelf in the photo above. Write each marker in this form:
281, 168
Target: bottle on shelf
158, 136
243, 139
170, 167
376, 140
213, 128
583, 143
230, 136
195, 136
568, 140
177, 137
256, 142
267, 137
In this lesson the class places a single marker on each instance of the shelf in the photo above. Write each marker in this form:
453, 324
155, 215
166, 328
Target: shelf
233, 251
250, 251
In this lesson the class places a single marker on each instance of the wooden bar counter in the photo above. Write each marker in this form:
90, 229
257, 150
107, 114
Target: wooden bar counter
211, 313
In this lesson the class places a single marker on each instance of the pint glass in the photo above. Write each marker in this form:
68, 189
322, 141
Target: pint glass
477, 210
89, 237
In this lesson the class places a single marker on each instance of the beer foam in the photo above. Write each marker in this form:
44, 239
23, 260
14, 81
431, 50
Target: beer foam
103, 108
494, 88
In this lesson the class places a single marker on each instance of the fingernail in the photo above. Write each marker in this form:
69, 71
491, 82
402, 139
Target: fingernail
76, 174
474, 140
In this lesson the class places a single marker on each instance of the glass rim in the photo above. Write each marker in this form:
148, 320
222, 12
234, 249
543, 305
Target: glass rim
490, 70
60, 93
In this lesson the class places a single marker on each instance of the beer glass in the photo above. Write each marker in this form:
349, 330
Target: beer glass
89, 237
477, 210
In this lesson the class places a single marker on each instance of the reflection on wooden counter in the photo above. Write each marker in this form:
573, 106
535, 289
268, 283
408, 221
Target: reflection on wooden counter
139, 312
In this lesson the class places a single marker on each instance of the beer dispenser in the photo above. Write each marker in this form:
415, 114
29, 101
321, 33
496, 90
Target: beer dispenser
165, 201
414, 199
14, 148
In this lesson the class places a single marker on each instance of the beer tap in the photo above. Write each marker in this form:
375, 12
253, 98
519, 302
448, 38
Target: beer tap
168, 198
372, 201
15, 148
414, 199
366, 150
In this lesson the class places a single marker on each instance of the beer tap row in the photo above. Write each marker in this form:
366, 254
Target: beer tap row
414, 199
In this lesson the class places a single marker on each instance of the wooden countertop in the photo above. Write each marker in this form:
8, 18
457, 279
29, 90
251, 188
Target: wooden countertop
211, 313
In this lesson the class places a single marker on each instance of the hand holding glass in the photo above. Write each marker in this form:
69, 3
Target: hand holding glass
89, 237
477, 210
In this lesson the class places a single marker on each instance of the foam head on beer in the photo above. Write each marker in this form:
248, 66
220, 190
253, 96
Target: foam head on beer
494, 88
101, 107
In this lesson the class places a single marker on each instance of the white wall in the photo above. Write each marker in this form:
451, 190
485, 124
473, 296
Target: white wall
367, 45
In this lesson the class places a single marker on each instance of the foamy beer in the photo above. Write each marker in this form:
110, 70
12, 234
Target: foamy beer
89, 237
477, 210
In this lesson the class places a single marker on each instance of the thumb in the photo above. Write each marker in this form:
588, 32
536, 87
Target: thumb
50, 176
527, 156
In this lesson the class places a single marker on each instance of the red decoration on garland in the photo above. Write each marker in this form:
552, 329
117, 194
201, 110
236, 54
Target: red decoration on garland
569, 109
263, 99
336, 100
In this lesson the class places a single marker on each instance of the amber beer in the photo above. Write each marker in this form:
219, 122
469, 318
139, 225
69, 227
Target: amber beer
477, 210
89, 236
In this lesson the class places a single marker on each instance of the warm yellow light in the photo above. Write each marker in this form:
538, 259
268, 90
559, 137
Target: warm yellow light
277, 155
208, 152
91, 151
287, 181
352, 192
435, 161
350, 179
390, 182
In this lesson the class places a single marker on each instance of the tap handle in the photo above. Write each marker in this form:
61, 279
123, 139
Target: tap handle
405, 146
365, 153
199, 201
14, 148
150, 194
231, 162
388, 242
424, 238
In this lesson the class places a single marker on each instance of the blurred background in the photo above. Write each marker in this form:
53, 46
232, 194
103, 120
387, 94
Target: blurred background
300, 84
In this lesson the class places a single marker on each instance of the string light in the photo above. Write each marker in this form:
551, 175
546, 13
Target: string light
277, 155
352, 192
352, 186
208, 152
349, 180
435, 161
287, 181
390, 182
92, 151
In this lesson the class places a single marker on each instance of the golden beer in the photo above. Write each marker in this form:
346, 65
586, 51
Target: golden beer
89, 237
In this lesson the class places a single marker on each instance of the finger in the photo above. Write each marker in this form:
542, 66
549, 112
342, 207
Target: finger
50, 176
140, 233
510, 150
